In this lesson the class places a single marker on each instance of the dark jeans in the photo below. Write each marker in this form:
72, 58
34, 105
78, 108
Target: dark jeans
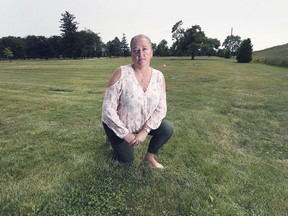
125, 153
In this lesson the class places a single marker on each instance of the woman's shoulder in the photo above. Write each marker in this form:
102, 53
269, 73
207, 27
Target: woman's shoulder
115, 77
157, 72
126, 69
118, 74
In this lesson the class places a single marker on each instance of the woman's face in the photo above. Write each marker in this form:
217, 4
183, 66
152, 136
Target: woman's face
141, 51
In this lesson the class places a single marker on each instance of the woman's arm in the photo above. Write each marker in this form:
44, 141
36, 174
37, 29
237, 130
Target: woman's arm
110, 104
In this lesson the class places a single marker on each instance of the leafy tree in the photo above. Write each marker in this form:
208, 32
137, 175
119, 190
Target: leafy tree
16, 46
162, 49
69, 28
44, 48
7, 53
70, 44
32, 46
94, 44
210, 46
38, 47
124, 47
114, 47
177, 37
87, 43
177, 31
232, 43
1, 50
191, 41
100, 47
55, 45
244, 53
220, 52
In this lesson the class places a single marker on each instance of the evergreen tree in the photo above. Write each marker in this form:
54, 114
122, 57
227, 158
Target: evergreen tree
68, 26
69, 38
124, 47
244, 53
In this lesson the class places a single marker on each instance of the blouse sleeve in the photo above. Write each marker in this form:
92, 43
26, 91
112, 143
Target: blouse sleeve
160, 112
109, 110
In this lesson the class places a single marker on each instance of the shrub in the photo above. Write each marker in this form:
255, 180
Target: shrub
244, 53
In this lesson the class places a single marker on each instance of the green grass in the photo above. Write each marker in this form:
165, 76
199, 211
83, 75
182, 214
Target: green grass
277, 56
228, 154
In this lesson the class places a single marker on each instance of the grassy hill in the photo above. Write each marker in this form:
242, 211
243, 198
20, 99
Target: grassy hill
228, 154
277, 55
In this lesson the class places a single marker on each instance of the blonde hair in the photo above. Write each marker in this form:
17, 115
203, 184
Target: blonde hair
140, 36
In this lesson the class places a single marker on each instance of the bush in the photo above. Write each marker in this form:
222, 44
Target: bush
244, 53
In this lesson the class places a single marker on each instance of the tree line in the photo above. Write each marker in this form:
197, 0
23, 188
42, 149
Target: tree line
87, 44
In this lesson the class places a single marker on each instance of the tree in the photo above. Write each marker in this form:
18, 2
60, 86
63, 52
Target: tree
69, 28
244, 53
38, 47
124, 47
68, 24
162, 49
191, 41
114, 47
177, 36
100, 48
32, 46
16, 46
232, 43
7, 53
55, 44
87, 43
44, 48
177, 31
220, 52
210, 46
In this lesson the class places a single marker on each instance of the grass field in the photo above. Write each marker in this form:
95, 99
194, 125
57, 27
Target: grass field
276, 56
228, 154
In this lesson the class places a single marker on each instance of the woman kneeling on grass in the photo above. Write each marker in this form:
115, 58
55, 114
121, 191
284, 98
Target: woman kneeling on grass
134, 106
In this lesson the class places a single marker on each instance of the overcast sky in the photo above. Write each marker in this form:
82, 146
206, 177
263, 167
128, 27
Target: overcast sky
265, 22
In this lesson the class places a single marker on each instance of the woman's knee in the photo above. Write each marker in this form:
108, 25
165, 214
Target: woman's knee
167, 128
126, 159
124, 153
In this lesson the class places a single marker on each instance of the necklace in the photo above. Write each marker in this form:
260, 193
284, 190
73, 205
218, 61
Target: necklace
143, 76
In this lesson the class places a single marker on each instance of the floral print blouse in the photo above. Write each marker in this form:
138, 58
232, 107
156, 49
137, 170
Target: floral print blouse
128, 109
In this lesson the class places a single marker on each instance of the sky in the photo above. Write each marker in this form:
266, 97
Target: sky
265, 22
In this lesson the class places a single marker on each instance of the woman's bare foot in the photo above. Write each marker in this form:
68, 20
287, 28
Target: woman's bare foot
151, 159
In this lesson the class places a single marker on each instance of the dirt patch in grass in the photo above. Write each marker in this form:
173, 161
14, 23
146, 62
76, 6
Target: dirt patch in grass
61, 90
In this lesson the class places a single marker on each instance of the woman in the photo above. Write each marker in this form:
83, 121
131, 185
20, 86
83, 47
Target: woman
134, 106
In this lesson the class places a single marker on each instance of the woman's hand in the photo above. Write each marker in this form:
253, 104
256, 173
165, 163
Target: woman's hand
139, 138
129, 137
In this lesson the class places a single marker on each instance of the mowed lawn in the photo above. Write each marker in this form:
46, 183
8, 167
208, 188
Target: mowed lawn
228, 154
